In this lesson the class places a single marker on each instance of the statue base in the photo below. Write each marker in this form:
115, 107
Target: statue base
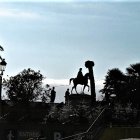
75, 99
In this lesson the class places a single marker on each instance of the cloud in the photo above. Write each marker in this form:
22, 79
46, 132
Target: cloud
16, 13
41, 0
65, 82
99, 83
70, 0
57, 82
62, 84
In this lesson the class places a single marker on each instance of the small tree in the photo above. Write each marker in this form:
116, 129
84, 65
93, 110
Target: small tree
25, 87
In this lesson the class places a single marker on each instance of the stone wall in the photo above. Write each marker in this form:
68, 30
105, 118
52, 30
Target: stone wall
51, 131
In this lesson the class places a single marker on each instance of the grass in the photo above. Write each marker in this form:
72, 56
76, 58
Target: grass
117, 133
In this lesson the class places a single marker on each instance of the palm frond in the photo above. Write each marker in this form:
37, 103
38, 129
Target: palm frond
1, 48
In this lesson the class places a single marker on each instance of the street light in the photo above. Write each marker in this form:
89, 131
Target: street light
2, 68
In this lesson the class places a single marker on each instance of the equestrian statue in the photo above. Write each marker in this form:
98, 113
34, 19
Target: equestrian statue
80, 79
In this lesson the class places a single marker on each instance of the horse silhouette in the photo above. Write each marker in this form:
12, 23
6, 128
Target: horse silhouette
81, 81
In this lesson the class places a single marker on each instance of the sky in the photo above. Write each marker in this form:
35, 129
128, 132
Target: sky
57, 37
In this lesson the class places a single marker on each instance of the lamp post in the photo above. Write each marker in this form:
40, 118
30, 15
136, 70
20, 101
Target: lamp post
2, 69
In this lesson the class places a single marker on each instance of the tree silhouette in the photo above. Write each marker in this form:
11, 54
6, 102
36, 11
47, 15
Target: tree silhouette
1, 48
115, 84
133, 73
25, 86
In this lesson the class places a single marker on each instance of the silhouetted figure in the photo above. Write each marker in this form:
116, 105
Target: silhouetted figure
67, 93
53, 94
10, 136
80, 74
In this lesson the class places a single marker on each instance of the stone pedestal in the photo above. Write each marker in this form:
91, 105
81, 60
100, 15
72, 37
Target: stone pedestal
76, 99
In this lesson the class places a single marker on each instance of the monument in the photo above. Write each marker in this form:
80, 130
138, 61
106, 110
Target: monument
89, 98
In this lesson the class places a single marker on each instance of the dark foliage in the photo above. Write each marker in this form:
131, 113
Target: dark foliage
115, 83
133, 73
25, 86
125, 87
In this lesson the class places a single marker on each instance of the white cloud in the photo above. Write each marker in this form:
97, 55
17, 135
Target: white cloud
37, 0
62, 84
69, 1
98, 83
65, 82
15, 13
57, 82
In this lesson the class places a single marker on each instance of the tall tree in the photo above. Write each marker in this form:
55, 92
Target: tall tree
115, 84
133, 73
25, 87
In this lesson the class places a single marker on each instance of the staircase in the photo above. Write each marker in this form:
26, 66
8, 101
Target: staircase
93, 132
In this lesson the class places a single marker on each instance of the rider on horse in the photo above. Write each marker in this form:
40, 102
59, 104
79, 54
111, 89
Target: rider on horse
80, 79
80, 75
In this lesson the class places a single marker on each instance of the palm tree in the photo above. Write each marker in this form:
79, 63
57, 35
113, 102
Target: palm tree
134, 70
1, 48
133, 73
115, 84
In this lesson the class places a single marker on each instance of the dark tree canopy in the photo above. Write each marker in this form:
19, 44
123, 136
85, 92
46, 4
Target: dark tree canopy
133, 73
134, 70
126, 87
115, 84
25, 87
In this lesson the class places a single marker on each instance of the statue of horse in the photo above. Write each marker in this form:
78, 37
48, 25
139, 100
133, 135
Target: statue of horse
83, 81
